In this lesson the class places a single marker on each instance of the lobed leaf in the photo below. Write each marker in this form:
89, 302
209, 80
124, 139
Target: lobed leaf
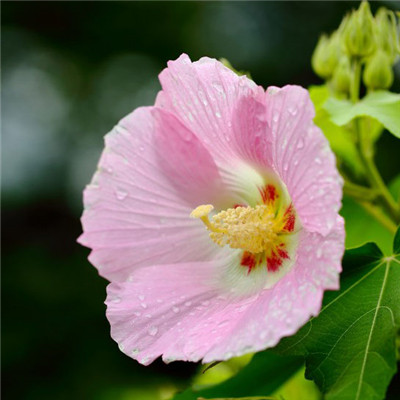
350, 347
261, 377
339, 137
382, 105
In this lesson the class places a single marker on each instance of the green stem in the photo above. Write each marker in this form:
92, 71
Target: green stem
355, 82
377, 213
373, 175
359, 192
365, 150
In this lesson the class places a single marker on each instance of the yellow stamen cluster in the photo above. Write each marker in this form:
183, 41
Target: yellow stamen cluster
252, 229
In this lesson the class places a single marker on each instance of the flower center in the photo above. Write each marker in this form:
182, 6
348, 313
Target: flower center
262, 231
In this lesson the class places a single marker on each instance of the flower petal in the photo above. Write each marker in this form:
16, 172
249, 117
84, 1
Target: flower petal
185, 161
204, 95
281, 311
303, 159
133, 215
178, 311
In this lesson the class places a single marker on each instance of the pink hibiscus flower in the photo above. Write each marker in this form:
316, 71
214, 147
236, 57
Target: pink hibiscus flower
214, 213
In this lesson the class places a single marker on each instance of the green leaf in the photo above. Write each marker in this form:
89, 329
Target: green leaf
299, 388
383, 106
262, 376
350, 347
362, 228
339, 137
394, 188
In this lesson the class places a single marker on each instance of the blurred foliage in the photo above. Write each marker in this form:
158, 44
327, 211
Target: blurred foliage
70, 71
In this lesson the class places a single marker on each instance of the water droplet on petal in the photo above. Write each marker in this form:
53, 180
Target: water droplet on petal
135, 352
188, 303
275, 116
300, 143
292, 110
153, 331
141, 297
144, 305
175, 309
218, 114
121, 194
116, 300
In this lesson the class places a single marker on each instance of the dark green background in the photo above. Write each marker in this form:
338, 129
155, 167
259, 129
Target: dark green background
70, 71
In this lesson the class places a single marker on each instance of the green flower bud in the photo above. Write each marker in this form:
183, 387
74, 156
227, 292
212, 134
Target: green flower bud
378, 73
387, 34
325, 56
358, 34
342, 76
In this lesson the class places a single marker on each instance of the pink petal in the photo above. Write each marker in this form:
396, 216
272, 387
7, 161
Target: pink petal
185, 161
133, 215
303, 159
178, 312
205, 95
252, 138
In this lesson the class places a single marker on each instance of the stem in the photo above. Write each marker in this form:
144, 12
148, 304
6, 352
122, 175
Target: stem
377, 213
359, 192
373, 175
355, 82
365, 150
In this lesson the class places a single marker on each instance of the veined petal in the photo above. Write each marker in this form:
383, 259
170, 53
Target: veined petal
191, 318
204, 95
302, 158
133, 215
187, 165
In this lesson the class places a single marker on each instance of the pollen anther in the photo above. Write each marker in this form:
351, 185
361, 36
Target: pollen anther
253, 229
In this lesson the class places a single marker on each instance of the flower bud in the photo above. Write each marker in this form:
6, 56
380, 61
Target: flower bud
325, 56
358, 34
342, 76
378, 73
387, 34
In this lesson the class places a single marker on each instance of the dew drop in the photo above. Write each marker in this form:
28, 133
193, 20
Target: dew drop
285, 166
152, 331
218, 114
188, 303
144, 305
292, 110
300, 143
141, 297
218, 87
318, 161
135, 352
205, 302
275, 116
138, 313
121, 194
175, 309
